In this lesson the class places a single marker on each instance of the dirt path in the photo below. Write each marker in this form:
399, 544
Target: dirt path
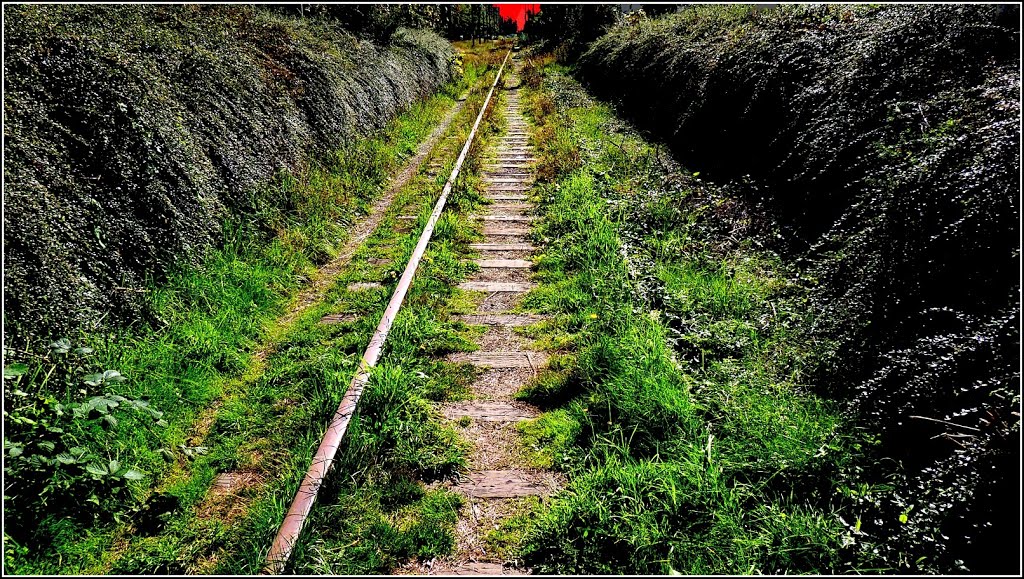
324, 278
499, 479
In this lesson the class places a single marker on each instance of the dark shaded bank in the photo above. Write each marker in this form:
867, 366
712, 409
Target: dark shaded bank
133, 133
884, 141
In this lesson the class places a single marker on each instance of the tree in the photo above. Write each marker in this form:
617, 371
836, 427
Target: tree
570, 26
379, 21
655, 10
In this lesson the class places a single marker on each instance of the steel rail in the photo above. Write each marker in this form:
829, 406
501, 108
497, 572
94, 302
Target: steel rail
302, 504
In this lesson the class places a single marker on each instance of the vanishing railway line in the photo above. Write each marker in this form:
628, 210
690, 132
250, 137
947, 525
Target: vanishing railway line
314, 313
494, 479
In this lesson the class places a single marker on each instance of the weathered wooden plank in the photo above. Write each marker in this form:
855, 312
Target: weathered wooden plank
500, 319
499, 484
502, 246
476, 568
520, 359
507, 188
506, 171
524, 178
234, 481
509, 218
501, 229
506, 168
338, 318
507, 197
514, 163
496, 286
489, 411
510, 263
510, 206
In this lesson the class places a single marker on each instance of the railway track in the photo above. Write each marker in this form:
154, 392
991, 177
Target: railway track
494, 481
498, 481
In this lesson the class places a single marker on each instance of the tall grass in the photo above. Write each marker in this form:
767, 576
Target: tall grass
857, 131
681, 417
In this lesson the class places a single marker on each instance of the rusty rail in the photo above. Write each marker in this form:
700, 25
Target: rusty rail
302, 504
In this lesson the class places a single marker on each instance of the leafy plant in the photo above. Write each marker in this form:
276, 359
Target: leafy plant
57, 455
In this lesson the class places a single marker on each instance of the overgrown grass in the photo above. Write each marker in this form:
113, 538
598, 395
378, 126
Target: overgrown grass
224, 409
859, 160
397, 441
683, 417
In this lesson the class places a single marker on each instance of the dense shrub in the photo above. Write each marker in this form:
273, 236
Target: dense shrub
568, 28
133, 132
884, 141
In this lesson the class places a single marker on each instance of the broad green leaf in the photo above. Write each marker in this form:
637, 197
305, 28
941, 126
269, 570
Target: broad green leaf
96, 469
132, 474
47, 446
83, 351
65, 458
114, 466
61, 346
16, 450
16, 369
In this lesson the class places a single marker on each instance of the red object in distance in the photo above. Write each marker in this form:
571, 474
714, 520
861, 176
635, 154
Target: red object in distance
517, 12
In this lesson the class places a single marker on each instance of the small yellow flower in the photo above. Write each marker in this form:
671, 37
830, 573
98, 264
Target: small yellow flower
593, 316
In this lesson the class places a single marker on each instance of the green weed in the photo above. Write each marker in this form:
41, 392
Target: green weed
683, 420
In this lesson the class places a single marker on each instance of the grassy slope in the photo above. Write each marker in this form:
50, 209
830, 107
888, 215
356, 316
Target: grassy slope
884, 141
680, 410
214, 317
131, 132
